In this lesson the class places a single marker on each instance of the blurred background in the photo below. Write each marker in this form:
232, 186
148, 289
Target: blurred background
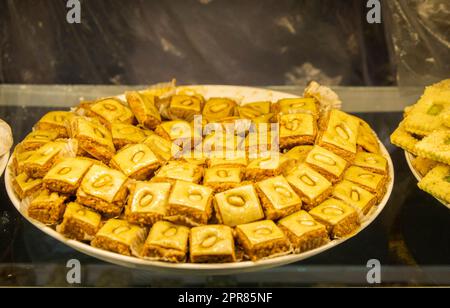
250, 42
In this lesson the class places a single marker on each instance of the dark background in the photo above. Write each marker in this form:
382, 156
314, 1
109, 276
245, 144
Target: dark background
250, 42
254, 42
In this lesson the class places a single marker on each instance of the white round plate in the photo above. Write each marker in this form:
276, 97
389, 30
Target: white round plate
243, 94
409, 158
3, 162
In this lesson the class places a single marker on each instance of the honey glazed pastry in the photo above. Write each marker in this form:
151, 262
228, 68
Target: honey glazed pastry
142, 176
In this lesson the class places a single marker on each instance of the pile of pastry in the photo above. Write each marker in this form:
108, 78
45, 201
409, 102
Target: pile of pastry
143, 175
425, 132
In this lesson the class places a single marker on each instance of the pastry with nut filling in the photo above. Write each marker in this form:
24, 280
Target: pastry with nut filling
223, 178
277, 197
26, 186
216, 109
120, 236
212, 244
55, 121
297, 129
239, 205
93, 138
48, 207
79, 222
136, 161
326, 163
147, 202
144, 109
103, 189
339, 218
311, 186
179, 171
65, 176
339, 134
124, 134
110, 110
43, 159
166, 242
35, 140
189, 204
262, 239
303, 231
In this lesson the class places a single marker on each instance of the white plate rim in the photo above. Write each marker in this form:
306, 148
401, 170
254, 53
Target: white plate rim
3, 162
197, 268
409, 157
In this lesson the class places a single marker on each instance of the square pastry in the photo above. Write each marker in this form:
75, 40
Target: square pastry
297, 155
36, 139
261, 139
437, 183
221, 144
373, 182
147, 202
66, 175
355, 196
258, 112
93, 138
18, 159
136, 161
238, 159
277, 197
238, 206
326, 163
266, 167
195, 158
303, 231
262, 239
297, 129
339, 134
189, 203
180, 132
401, 138
42, 160
143, 107
372, 162
110, 110
184, 107
428, 114
120, 236
164, 149
48, 207
124, 134
311, 186
26, 186
103, 189
79, 222
223, 178
179, 171
435, 146
217, 108
423, 165
297, 105
166, 242
339, 218
367, 139
211, 244
55, 121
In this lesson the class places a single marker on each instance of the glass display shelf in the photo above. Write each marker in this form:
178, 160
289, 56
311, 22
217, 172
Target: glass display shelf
410, 238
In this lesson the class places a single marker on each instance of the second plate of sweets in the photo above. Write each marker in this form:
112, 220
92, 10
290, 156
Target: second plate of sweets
212, 178
424, 134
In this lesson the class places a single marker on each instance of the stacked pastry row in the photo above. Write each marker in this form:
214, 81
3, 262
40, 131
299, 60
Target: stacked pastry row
425, 132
